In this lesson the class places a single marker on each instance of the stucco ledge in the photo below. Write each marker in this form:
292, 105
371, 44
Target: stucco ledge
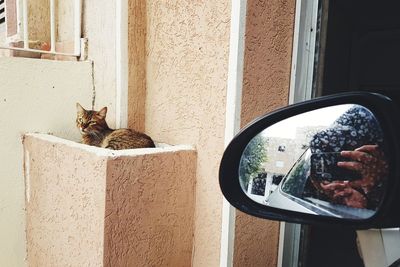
89, 206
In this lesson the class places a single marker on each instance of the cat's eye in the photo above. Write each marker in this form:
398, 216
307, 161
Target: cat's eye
80, 120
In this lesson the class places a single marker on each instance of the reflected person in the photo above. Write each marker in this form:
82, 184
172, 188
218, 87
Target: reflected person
365, 192
356, 140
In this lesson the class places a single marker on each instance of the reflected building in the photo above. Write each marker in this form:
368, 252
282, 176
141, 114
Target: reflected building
282, 154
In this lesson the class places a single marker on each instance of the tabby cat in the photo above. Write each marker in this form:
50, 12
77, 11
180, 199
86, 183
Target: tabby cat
95, 131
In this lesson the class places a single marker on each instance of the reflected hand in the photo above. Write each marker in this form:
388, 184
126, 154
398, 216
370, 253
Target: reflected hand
370, 162
342, 192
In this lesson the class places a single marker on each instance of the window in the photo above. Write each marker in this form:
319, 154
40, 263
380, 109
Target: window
59, 34
282, 148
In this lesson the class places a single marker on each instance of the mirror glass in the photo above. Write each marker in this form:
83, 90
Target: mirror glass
329, 162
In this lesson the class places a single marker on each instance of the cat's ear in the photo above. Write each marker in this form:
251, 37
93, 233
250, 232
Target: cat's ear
102, 112
79, 108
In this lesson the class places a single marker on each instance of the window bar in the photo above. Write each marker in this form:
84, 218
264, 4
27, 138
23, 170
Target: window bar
25, 23
2, 11
77, 30
77, 27
52, 27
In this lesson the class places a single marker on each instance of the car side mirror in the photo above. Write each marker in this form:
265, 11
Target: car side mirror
331, 160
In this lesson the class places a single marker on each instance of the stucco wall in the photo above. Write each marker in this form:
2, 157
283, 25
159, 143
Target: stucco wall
268, 49
40, 96
65, 196
187, 48
88, 206
185, 66
99, 27
137, 32
35, 95
150, 209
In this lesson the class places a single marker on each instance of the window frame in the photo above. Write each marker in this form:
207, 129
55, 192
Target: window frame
301, 89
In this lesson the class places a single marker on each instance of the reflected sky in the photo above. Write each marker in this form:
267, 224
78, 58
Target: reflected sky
323, 117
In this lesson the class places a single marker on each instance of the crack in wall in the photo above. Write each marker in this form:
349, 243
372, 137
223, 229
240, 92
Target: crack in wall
93, 86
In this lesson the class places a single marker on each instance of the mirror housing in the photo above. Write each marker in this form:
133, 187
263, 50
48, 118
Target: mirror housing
383, 109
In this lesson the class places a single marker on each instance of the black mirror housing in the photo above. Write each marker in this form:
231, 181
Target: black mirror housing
385, 215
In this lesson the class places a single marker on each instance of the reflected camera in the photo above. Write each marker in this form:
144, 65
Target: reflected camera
324, 167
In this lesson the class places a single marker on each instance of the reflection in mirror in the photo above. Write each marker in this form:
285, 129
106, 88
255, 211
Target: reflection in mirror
328, 161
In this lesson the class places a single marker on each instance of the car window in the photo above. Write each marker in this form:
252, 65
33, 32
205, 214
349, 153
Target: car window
298, 187
295, 181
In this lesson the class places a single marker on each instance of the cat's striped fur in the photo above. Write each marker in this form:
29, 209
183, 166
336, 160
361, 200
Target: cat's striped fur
95, 131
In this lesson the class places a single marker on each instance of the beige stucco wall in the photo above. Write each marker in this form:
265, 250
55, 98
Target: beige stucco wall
137, 32
35, 95
187, 48
88, 206
29, 102
99, 27
268, 49
65, 196
184, 66
150, 208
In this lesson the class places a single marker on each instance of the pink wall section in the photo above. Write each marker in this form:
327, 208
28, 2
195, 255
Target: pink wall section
89, 206
186, 78
149, 210
267, 58
180, 51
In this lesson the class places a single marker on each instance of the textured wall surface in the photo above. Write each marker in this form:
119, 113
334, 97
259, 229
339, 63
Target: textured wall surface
99, 26
150, 210
268, 49
88, 206
186, 78
65, 196
35, 95
137, 64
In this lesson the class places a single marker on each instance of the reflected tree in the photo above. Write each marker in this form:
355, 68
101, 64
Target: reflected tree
252, 159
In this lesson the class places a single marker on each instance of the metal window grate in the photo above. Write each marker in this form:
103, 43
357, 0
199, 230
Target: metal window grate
2, 11
23, 28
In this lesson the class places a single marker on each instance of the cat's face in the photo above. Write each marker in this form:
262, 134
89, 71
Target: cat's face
90, 121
